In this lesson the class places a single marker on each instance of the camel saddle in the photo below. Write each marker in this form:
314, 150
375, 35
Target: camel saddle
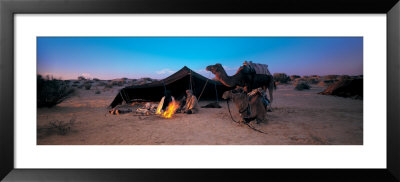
258, 68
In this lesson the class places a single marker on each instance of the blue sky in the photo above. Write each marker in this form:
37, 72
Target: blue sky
158, 57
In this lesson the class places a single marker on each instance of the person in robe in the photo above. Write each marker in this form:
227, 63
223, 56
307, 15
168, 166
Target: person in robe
191, 105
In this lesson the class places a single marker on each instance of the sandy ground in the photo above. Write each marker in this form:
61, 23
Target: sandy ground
298, 118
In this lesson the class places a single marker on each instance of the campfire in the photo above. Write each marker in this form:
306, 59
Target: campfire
171, 109
158, 110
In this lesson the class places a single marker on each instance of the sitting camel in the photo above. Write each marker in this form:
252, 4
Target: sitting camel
244, 78
250, 107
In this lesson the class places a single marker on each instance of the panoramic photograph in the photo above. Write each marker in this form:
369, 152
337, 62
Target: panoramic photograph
199, 91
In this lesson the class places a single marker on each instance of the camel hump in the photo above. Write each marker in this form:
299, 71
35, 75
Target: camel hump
259, 68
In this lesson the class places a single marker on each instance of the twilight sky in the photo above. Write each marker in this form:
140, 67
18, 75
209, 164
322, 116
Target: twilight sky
158, 57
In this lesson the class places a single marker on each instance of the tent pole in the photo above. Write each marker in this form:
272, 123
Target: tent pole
126, 96
165, 88
120, 93
216, 92
191, 88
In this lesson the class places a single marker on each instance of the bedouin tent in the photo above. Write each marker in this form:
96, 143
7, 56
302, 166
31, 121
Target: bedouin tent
177, 83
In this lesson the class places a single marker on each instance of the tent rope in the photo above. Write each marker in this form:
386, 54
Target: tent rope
120, 93
126, 96
203, 88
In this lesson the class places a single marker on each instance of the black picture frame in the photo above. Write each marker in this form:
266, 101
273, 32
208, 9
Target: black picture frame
8, 8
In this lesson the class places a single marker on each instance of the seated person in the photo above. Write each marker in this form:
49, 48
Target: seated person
191, 106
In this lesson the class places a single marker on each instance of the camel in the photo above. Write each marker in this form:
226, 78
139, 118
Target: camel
244, 78
250, 107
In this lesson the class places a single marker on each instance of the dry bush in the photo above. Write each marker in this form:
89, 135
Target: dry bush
81, 78
88, 85
62, 127
51, 92
344, 77
97, 92
330, 77
312, 80
302, 86
101, 84
108, 85
281, 77
293, 77
117, 83
326, 82
298, 80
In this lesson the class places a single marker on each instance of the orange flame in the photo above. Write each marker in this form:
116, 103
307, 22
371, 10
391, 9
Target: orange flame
158, 110
172, 107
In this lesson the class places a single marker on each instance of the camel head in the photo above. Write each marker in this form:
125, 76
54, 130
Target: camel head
214, 68
227, 95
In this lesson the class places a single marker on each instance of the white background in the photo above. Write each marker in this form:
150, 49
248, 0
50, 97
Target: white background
370, 155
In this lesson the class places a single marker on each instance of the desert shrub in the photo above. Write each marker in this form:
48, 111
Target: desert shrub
62, 127
108, 85
312, 80
302, 86
298, 80
281, 78
96, 79
326, 82
147, 79
51, 92
117, 83
293, 77
97, 92
344, 77
76, 82
101, 84
330, 77
88, 85
80, 86
81, 78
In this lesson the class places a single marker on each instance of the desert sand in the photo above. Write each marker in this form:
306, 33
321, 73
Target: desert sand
298, 118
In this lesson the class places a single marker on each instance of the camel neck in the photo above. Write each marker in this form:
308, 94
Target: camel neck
225, 79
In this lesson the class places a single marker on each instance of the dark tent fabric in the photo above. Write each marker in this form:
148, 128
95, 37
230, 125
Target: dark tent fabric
177, 83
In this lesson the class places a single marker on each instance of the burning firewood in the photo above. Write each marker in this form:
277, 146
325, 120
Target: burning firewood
171, 109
